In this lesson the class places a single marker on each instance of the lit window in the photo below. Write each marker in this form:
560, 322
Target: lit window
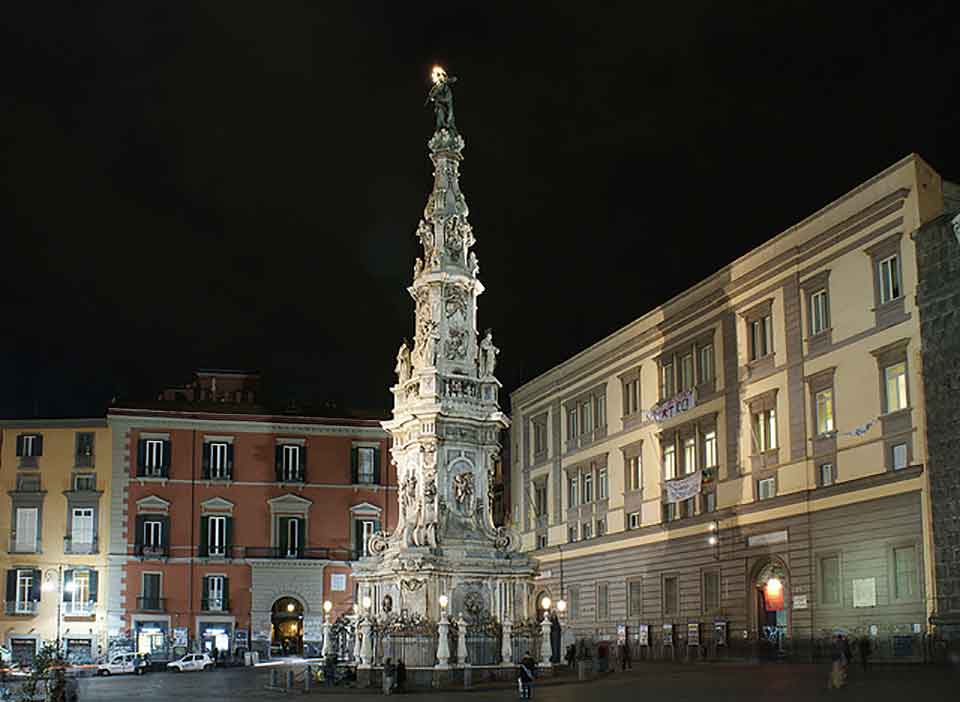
689, 455
710, 449
889, 269
824, 403
895, 379
767, 488
366, 464
152, 534
706, 363
217, 535
669, 461
290, 462
218, 460
216, 596
826, 474
153, 456
765, 430
899, 452
819, 312
686, 372
82, 526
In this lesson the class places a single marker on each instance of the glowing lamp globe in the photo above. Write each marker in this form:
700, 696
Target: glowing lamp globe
444, 601
561, 605
545, 602
327, 606
367, 602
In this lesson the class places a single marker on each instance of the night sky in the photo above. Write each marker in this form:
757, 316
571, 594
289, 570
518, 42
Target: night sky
237, 184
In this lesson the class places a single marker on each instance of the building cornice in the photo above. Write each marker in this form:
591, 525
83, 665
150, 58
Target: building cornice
240, 424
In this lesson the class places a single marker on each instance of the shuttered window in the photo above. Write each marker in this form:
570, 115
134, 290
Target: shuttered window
905, 567
830, 580
671, 595
603, 601
711, 590
634, 598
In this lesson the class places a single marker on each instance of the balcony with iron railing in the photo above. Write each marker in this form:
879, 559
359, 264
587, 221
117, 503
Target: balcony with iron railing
71, 545
152, 604
16, 547
85, 608
324, 553
83, 461
215, 603
21, 608
151, 550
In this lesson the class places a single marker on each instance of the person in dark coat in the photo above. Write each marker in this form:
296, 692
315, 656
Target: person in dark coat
401, 676
571, 656
863, 644
527, 667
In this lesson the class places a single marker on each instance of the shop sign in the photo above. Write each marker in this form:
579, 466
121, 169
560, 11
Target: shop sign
644, 635
621, 633
768, 539
668, 634
693, 634
180, 636
240, 635
800, 602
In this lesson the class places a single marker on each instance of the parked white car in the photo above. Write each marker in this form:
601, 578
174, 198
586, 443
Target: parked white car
192, 661
123, 663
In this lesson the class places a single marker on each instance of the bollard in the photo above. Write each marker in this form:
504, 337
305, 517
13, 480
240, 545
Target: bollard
288, 678
307, 678
274, 678
467, 677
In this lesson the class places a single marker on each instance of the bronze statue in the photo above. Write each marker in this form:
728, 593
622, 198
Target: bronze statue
442, 98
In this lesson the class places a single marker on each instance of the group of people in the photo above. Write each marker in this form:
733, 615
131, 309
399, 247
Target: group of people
841, 655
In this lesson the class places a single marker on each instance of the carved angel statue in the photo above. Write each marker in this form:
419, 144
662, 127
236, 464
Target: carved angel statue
473, 265
403, 368
442, 98
417, 268
488, 355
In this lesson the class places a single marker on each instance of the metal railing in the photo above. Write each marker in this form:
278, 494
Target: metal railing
72, 546
325, 553
79, 609
152, 550
21, 607
83, 461
22, 548
152, 604
215, 604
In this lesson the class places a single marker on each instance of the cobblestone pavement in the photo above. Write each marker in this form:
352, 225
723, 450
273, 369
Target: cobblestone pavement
678, 683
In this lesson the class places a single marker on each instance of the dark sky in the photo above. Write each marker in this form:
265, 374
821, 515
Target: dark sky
237, 184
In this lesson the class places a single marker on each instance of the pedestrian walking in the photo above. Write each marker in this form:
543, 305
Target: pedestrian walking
571, 656
628, 663
401, 677
525, 678
863, 644
838, 675
389, 676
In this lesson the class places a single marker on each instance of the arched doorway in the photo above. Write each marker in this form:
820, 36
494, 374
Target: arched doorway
770, 586
287, 620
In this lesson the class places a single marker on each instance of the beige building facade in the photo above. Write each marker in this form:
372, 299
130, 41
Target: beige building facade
742, 468
55, 475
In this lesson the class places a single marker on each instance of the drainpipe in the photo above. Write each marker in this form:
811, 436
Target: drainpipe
193, 520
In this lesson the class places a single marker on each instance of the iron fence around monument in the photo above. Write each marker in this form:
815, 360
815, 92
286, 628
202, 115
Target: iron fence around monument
483, 647
416, 650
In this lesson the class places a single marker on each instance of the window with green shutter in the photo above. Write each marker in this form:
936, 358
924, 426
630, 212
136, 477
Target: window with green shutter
830, 580
905, 567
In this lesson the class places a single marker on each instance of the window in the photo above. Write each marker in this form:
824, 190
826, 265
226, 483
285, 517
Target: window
150, 598
631, 397
367, 528
540, 499
587, 486
216, 536
687, 507
573, 606
572, 497
633, 520
895, 382
291, 537
633, 472
710, 501
572, 424
152, 534
290, 463
572, 533
603, 601
830, 580
671, 595
819, 312
601, 409
586, 530
154, 458
710, 449
26, 591
365, 464
586, 417
669, 511
218, 460
686, 372
634, 598
541, 540
689, 455
669, 462
539, 438
706, 363
826, 474
711, 590
84, 482
216, 599
899, 456
602, 484
77, 593
761, 338
27, 529
824, 409
666, 380
889, 273
601, 526
82, 525
29, 445
905, 569
767, 488
84, 449
765, 430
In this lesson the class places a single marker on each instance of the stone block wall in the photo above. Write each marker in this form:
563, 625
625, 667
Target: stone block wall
938, 263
